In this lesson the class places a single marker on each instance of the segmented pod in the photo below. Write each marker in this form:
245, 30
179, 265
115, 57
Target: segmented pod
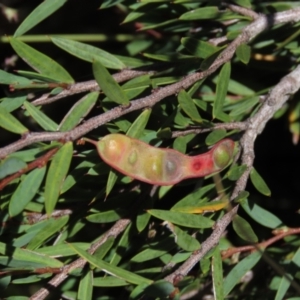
160, 166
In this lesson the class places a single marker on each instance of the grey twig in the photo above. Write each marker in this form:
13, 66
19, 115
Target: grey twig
115, 230
288, 86
87, 86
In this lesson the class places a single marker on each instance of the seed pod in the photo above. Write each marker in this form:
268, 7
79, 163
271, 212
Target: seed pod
160, 166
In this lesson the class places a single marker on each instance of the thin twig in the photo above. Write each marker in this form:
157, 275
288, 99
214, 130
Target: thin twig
280, 235
87, 86
115, 230
38, 163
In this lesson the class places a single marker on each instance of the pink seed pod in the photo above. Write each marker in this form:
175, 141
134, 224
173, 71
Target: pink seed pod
160, 166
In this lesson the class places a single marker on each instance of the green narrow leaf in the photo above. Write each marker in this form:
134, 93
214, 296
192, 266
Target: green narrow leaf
217, 274
236, 172
243, 52
30, 256
89, 53
155, 251
109, 86
61, 250
10, 166
183, 219
259, 183
44, 121
199, 48
8, 78
244, 229
41, 12
283, 286
105, 247
26, 190
143, 217
209, 12
285, 281
138, 126
186, 103
79, 111
56, 175
53, 227
12, 103
10, 123
244, 3
184, 240
85, 290
111, 180
107, 216
160, 290
215, 136
122, 246
109, 282
40, 62
241, 268
260, 215
194, 197
221, 91
110, 269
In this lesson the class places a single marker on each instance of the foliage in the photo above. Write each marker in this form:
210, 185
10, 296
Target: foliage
194, 73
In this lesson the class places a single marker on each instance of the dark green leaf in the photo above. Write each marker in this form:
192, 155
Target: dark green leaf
89, 53
261, 215
138, 126
143, 217
61, 250
236, 172
10, 123
215, 136
183, 219
109, 86
44, 121
26, 190
243, 52
10, 166
12, 103
24, 255
154, 251
194, 197
199, 48
200, 14
53, 227
107, 216
109, 282
110, 269
40, 62
112, 179
8, 78
244, 229
79, 111
184, 240
241, 268
56, 175
221, 90
160, 289
259, 183
186, 103
217, 274
244, 3
41, 12
85, 290
122, 245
